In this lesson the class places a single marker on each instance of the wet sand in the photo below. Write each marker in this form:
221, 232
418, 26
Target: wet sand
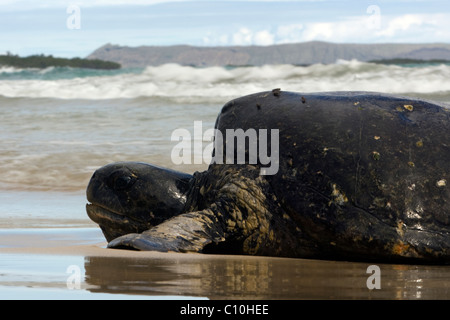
73, 263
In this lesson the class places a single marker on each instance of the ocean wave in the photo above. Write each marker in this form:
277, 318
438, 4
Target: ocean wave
55, 133
6, 70
173, 81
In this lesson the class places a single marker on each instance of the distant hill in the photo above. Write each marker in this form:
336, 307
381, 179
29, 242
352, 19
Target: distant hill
41, 62
298, 54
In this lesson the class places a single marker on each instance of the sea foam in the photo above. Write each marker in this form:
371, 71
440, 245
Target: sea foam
172, 81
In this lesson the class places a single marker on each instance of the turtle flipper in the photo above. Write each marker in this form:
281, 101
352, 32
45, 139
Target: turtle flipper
189, 232
137, 241
238, 220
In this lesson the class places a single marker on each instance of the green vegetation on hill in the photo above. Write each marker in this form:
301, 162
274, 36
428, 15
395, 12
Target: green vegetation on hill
41, 62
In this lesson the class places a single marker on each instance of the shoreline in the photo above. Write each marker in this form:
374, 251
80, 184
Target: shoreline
73, 263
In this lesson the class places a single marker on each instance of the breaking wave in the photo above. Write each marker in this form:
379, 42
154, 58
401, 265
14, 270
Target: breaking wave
59, 124
186, 83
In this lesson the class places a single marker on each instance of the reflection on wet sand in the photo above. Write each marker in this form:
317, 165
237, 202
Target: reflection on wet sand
237, 277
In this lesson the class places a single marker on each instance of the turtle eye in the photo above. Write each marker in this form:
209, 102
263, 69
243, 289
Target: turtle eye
121, 180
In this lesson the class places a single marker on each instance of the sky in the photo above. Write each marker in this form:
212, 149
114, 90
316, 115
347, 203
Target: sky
75, 28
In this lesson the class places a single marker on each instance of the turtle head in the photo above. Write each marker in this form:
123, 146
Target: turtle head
131, 197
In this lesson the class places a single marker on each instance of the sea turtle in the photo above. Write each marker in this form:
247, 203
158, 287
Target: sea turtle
359, 176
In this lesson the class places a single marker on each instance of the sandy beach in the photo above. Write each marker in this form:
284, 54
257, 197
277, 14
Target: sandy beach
73, 263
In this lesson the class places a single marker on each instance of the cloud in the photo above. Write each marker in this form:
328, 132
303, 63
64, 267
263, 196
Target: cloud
402, 28
245, 36
364, 28
403, 24
10, 5
259, 37
25, 5
263, 38
289, 33
321, 31
242, 37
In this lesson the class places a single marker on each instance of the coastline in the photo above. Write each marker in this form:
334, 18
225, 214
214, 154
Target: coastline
73, 263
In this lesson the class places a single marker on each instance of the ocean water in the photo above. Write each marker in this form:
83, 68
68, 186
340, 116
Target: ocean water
58, 125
